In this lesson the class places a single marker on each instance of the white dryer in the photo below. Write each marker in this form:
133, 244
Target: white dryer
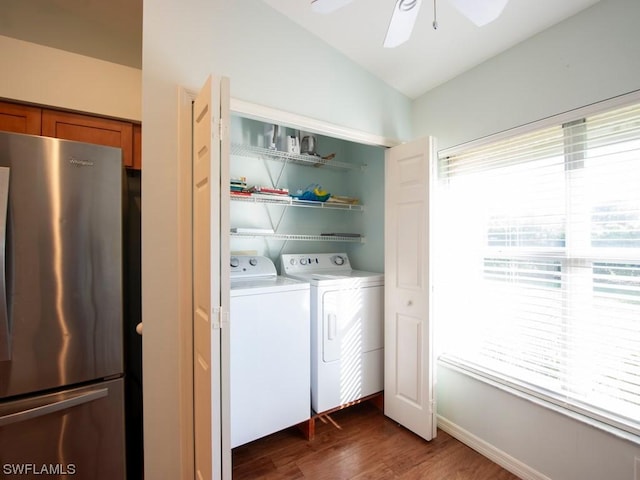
270, 352
347, 327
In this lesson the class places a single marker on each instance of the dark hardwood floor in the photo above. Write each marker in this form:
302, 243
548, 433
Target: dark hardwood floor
363, 444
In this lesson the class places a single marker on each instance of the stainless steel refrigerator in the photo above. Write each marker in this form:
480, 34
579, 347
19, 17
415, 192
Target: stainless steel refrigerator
61, 357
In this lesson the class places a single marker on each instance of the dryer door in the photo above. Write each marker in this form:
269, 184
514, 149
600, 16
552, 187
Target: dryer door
333, 323
352, 322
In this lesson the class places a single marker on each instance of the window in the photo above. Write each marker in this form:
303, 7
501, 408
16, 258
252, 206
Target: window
537, 269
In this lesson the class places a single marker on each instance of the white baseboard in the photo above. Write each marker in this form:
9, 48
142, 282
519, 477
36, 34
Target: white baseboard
494, 454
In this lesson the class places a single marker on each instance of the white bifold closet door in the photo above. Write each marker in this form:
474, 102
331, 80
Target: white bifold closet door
211, 281
408, 370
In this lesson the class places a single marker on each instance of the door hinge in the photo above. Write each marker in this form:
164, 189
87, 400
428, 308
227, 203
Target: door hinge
219, 317
220, 129
216, 317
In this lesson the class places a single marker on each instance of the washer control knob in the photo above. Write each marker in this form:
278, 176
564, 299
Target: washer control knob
303, 261
292, 261
235, 262
338, 260
253, 262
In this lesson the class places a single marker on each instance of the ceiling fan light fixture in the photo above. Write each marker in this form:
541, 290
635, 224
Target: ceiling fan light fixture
480, 12
402, 21
328, 6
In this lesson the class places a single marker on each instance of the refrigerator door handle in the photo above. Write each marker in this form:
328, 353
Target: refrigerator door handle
49, 408
5, 332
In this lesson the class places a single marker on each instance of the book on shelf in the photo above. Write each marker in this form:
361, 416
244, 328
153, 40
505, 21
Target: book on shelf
269, 190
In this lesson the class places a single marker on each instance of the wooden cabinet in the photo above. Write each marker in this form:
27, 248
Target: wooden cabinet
137, 146
20, 118
86, 128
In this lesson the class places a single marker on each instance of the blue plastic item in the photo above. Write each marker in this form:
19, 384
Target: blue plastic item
311, 193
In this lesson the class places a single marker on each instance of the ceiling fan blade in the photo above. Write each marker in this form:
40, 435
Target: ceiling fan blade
402, 21
328, 6
480, 12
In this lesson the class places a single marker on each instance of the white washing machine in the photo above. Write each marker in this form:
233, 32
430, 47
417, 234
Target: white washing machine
270, 350
347, 327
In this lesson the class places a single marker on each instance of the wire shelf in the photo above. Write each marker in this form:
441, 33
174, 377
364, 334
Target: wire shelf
294, 202
298, 159
304, 238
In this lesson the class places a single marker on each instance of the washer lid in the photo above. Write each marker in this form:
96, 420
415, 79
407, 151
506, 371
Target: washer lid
258, 286
351, 276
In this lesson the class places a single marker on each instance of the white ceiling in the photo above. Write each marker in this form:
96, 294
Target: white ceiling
112, 30
430, 57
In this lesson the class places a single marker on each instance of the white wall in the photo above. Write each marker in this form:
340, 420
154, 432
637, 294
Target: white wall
267, 59
588, 58
47, 76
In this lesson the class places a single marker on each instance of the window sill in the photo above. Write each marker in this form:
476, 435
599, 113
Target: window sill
537, 398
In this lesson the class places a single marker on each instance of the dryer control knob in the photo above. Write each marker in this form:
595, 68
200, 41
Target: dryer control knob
235, 262
338, 260
253, 262
303, 261
292, 261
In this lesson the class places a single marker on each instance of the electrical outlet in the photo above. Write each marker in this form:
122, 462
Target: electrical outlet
636, 470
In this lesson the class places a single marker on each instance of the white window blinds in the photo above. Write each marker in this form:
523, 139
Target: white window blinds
538, 267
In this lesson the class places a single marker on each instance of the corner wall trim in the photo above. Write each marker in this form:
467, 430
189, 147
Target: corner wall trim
493, 453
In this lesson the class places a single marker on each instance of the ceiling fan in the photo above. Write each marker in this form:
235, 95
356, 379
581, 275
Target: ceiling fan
405, 13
